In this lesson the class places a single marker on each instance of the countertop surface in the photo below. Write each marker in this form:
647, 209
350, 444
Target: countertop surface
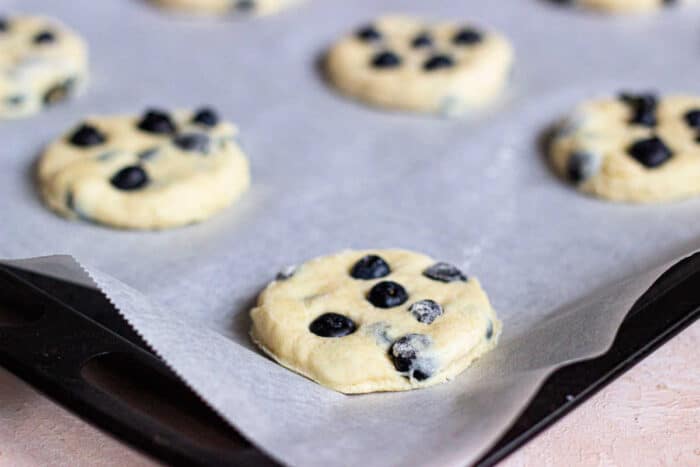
649, 416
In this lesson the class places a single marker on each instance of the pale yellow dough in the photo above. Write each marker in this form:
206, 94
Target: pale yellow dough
629, 6
602, 130
33, 75
360, 362
222, 7
479, 75
185, 186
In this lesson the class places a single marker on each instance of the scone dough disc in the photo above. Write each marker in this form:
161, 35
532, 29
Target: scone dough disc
42, 62
624, 6
151, 171
403, 63
637, 148
380, 320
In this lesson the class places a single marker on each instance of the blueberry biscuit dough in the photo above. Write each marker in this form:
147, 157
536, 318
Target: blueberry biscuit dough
636, 148
367, 321
624, 6
152, 171
407, 64
223, 7
41, 62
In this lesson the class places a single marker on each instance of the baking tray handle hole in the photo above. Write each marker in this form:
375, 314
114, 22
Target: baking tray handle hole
14, 312
160, 397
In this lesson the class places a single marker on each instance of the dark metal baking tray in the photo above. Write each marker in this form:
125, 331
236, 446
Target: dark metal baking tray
69, 342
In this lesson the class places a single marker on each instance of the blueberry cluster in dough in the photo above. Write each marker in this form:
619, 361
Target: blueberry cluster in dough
157, 122
47, 63
651, 152
433, 57
410, 353
633, 147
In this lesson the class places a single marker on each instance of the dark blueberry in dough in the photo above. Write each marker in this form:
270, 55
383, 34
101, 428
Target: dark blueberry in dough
386, 59
692, 118
651, 152
370, 267
332, 325
148, 154
245, 5
387, 294
198, 142
86, 136
467, 36
669, 2
438, 61
444, 272
286, 273
368, 34
426, 311
643, 108
4, 24
489, 330
581, 166
14, 100
422, 40
406, 352
156, 121
206, 117
44, 37
58, 92
130, 178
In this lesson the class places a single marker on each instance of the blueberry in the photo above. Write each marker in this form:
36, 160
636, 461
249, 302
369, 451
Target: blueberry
245, 5
651, 152
670, 2
407, 354
438, 61
370, 267
58, 92
444, 272
4, 24
643, 108
692, 118
130, 178
198, 142
286, 273
422, 40
156, 121
489, 330
467, 36
426, 311
206, 117
386, 59
332, 325
15, 100
86, 135
387, 294
581, 166
44, 37
148, 154
368, 34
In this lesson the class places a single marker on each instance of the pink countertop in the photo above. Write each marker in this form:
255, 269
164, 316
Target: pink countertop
650, 416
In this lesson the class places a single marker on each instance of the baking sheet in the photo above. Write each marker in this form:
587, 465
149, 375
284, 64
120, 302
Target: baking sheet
330, 174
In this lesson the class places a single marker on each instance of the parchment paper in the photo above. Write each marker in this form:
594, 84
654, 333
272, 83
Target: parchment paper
561, 269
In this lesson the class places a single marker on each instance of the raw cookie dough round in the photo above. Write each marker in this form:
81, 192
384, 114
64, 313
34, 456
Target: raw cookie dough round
407, 64
382, 320
153, 171
624, 6
41, 62
221, 7
634, 148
